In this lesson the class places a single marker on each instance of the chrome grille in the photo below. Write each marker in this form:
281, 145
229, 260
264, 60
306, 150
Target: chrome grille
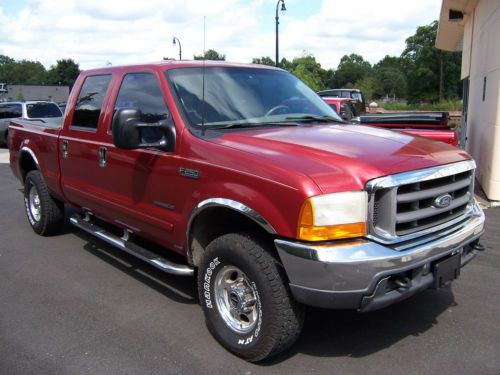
416, 203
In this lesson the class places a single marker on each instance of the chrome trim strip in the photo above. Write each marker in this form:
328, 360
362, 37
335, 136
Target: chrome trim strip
357, 265
234, 205
32, 154
420, 175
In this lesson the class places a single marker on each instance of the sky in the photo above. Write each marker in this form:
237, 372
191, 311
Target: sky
96, 33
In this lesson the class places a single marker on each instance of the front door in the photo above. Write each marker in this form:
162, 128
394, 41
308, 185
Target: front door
140, 184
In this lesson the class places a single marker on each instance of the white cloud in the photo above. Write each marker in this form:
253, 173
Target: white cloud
93, 32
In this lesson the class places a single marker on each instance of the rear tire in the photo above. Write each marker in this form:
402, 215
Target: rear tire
246, 299
45, 214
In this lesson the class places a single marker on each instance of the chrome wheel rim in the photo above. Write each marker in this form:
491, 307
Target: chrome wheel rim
34, 204
236, 299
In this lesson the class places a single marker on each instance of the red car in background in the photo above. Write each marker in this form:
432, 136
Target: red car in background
432, 125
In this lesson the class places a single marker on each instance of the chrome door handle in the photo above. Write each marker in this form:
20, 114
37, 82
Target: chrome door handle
102, 157
65, 152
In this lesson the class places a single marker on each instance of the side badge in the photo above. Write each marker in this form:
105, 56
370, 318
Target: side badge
189, 173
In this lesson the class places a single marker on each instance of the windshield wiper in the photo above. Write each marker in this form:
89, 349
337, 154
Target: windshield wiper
314, 118
250, 125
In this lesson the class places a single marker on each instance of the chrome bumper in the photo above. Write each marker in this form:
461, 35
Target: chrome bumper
350, 274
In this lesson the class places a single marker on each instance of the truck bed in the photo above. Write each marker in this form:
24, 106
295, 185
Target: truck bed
432, 125
43, 140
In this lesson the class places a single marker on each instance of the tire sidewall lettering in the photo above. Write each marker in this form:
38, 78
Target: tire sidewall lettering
207, 286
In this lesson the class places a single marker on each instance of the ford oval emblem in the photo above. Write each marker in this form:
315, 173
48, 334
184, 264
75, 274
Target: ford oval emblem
442, 201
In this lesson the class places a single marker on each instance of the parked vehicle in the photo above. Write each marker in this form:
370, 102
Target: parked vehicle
41, 111
344, 107
433, 125
269, 198
354, 94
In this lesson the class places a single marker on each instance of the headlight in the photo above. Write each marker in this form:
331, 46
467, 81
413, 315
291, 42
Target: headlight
333, 216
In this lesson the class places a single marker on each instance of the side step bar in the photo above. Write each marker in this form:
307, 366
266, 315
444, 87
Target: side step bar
131, 248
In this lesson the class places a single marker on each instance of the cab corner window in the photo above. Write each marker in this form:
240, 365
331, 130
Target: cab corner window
89, 103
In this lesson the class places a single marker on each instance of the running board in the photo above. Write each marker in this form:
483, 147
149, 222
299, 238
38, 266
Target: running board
131, 248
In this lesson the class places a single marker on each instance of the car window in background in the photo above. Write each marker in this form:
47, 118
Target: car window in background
89, 103
11, 111
43, 110
357, 96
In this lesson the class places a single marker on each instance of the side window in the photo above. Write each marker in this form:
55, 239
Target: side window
89, 103
142, 91
10, 111
346, 94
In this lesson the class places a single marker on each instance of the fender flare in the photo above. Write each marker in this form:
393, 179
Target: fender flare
233, 205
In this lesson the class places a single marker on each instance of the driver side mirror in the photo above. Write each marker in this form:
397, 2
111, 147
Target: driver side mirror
130, 133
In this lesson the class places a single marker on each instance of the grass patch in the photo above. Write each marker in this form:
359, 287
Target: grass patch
447, 105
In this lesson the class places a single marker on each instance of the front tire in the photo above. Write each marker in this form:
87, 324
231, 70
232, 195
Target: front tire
245, 297
45, 214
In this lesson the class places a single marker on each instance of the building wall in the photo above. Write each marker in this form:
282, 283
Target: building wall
480, 59
36, 92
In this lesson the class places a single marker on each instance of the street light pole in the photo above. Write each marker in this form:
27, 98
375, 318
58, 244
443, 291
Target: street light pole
180, 48
283, 10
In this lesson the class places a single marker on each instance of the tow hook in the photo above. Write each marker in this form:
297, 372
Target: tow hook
477, 246
402, 282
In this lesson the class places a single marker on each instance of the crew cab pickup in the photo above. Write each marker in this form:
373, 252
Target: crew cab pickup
241, 176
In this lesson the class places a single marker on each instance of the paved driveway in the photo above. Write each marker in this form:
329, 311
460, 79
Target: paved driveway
4, 155
73, 305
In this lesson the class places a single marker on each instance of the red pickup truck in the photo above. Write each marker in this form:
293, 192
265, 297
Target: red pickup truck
432, 125
250, 182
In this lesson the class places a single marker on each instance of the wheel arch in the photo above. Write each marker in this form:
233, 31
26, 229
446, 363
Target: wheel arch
27, 162
214, 217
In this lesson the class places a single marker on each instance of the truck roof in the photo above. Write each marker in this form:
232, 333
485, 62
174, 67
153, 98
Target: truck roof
170, 64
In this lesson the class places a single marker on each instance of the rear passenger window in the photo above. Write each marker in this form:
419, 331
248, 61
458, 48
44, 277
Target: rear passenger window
89, 103
10, 111
142, 91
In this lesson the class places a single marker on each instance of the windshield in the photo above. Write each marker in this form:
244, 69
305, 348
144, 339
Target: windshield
357, 96
245, 96
43, 110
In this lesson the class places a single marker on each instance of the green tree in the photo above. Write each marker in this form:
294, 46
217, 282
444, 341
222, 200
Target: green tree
287, 64
431, 74
64, 72
389, 71
371, 87
24, 71
310, 71
211, 54
352, 68
264, 60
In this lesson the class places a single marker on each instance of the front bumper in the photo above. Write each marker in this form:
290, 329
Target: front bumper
360, 274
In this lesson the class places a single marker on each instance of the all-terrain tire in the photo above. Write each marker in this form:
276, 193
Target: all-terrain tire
277, 317
45, 214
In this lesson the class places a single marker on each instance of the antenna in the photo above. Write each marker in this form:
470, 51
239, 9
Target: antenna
203, 84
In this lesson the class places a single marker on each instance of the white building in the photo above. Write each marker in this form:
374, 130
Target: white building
473, 27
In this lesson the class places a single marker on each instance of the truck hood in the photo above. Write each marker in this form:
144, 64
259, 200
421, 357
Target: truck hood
341, 157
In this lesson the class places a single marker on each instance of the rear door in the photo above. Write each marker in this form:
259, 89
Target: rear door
79, 144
